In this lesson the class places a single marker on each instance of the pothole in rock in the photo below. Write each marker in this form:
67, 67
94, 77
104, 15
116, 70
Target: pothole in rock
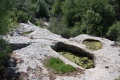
92, 44
75, 55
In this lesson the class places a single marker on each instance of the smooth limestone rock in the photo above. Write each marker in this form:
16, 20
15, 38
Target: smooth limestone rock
33, 48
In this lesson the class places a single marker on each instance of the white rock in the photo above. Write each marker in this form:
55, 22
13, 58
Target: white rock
106, 60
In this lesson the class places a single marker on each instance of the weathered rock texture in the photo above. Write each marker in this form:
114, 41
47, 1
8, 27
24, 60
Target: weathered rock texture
31, 49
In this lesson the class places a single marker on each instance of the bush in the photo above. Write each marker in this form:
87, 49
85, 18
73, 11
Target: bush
4, 24
4, 49
5, 7
37, 22
59, 66
94, 16
4, 52
118, 78
22, 16
114, 32
59, 28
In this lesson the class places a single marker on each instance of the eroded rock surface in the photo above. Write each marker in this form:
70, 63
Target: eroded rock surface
33, 48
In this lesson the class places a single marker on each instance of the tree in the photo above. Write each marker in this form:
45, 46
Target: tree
93, 16
114, 32
5, 7
56, 8
41, 9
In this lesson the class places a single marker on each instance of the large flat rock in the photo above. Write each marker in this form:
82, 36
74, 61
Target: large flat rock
39, 44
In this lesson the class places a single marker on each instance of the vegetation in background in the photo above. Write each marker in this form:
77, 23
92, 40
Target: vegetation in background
59, 66
5, 51
88, 16
5, 7
58, 27
85, 62
31, 10
68, 18
114, 32
92, 44
4, 48
73, 17
118, 78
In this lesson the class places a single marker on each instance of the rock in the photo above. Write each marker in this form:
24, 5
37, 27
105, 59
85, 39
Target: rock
18, 42
32, 49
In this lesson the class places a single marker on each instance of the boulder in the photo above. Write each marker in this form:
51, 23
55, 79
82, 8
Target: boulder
33, 48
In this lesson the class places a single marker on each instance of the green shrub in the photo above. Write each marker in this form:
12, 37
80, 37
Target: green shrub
4, 24
22, 16
4, 48
59, 28
37, 22
118, 78
4, 52
5, 7
114, 32
59, 66
94, 16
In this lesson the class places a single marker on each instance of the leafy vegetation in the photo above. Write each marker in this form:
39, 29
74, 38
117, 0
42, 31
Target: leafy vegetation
58, 27
5, 50
5, 7
59, 66
85, 62
89, 16
92, 44
118, 78
114, 32
68, 18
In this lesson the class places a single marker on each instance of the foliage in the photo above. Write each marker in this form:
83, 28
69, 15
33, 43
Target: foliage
22, 16
41, 10
25, 10
118, 78
114, 32
73, 17
5, 7
92, 44
58, 28
116, 4
59, 66
4, 48
93, 16
38, 22
4, 52
56, 8
85, 62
